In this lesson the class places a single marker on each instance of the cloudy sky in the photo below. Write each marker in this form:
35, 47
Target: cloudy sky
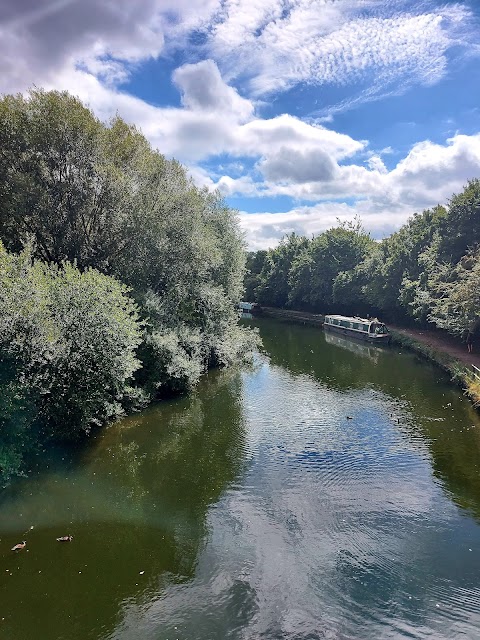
299, 111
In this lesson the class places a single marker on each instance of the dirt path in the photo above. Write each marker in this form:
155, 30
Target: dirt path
443, 342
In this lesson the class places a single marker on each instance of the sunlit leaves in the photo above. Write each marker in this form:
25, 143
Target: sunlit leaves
72, 337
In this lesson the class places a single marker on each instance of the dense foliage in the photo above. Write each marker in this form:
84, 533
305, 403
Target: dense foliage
68, 343
92, 219
428, 271
71, 337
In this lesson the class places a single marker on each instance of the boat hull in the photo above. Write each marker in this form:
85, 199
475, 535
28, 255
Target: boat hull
359, 335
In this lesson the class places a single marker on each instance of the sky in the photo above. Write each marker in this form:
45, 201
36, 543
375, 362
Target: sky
301, 112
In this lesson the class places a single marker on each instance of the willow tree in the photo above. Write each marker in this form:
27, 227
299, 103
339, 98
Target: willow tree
55, 184
99, 196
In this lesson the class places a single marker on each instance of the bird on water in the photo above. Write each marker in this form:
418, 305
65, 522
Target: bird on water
20, 546
65, 539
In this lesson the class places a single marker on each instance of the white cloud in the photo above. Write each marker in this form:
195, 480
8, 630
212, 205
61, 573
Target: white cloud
204, 90
264, 230
211, 122
39, 39
273, 43
244, 186
376, 163
433, 171
299, 166
278, 45
264, 137
345, 181
427, 176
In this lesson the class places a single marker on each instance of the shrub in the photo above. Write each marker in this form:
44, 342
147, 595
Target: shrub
72, 337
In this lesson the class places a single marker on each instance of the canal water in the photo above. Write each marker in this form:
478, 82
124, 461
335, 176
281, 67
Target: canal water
332, 491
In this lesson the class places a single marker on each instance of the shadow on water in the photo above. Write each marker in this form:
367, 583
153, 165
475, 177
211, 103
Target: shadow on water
428, 405
17, 439
136, 503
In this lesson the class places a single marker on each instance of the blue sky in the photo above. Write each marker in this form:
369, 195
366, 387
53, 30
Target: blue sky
299, 111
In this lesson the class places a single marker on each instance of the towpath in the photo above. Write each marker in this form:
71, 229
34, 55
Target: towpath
443, 342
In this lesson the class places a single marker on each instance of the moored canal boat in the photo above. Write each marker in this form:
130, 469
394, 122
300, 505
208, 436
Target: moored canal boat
370, 330
249, 307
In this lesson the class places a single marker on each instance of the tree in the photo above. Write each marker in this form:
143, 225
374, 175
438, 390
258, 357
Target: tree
335, 251
72, 339
99, 196
397, 262
274, 278
254, 265
455, 303
56, 185
460, 230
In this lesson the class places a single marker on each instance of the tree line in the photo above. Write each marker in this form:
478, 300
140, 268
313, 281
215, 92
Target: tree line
427, 272
119, 278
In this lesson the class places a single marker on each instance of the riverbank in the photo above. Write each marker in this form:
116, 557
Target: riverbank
444, 350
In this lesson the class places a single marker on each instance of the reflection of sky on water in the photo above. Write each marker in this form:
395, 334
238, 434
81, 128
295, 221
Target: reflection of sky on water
337, 528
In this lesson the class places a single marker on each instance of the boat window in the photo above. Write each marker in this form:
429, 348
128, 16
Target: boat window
365, 327
378, 328
355, 325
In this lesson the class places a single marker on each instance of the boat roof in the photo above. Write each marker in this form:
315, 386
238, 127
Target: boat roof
353, 318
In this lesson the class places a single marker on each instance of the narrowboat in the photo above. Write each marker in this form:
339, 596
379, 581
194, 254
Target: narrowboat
249, 307
370, 330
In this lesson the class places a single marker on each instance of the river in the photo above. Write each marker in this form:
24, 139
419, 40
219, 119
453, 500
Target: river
332, 490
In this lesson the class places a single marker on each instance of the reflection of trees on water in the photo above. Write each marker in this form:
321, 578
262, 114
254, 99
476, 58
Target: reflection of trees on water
436, 410
303, 350
137, 501
454, 445
16, 417
177, 459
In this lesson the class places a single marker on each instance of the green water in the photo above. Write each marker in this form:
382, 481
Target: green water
256, 509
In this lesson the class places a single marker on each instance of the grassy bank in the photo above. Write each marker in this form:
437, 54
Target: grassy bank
457, 371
